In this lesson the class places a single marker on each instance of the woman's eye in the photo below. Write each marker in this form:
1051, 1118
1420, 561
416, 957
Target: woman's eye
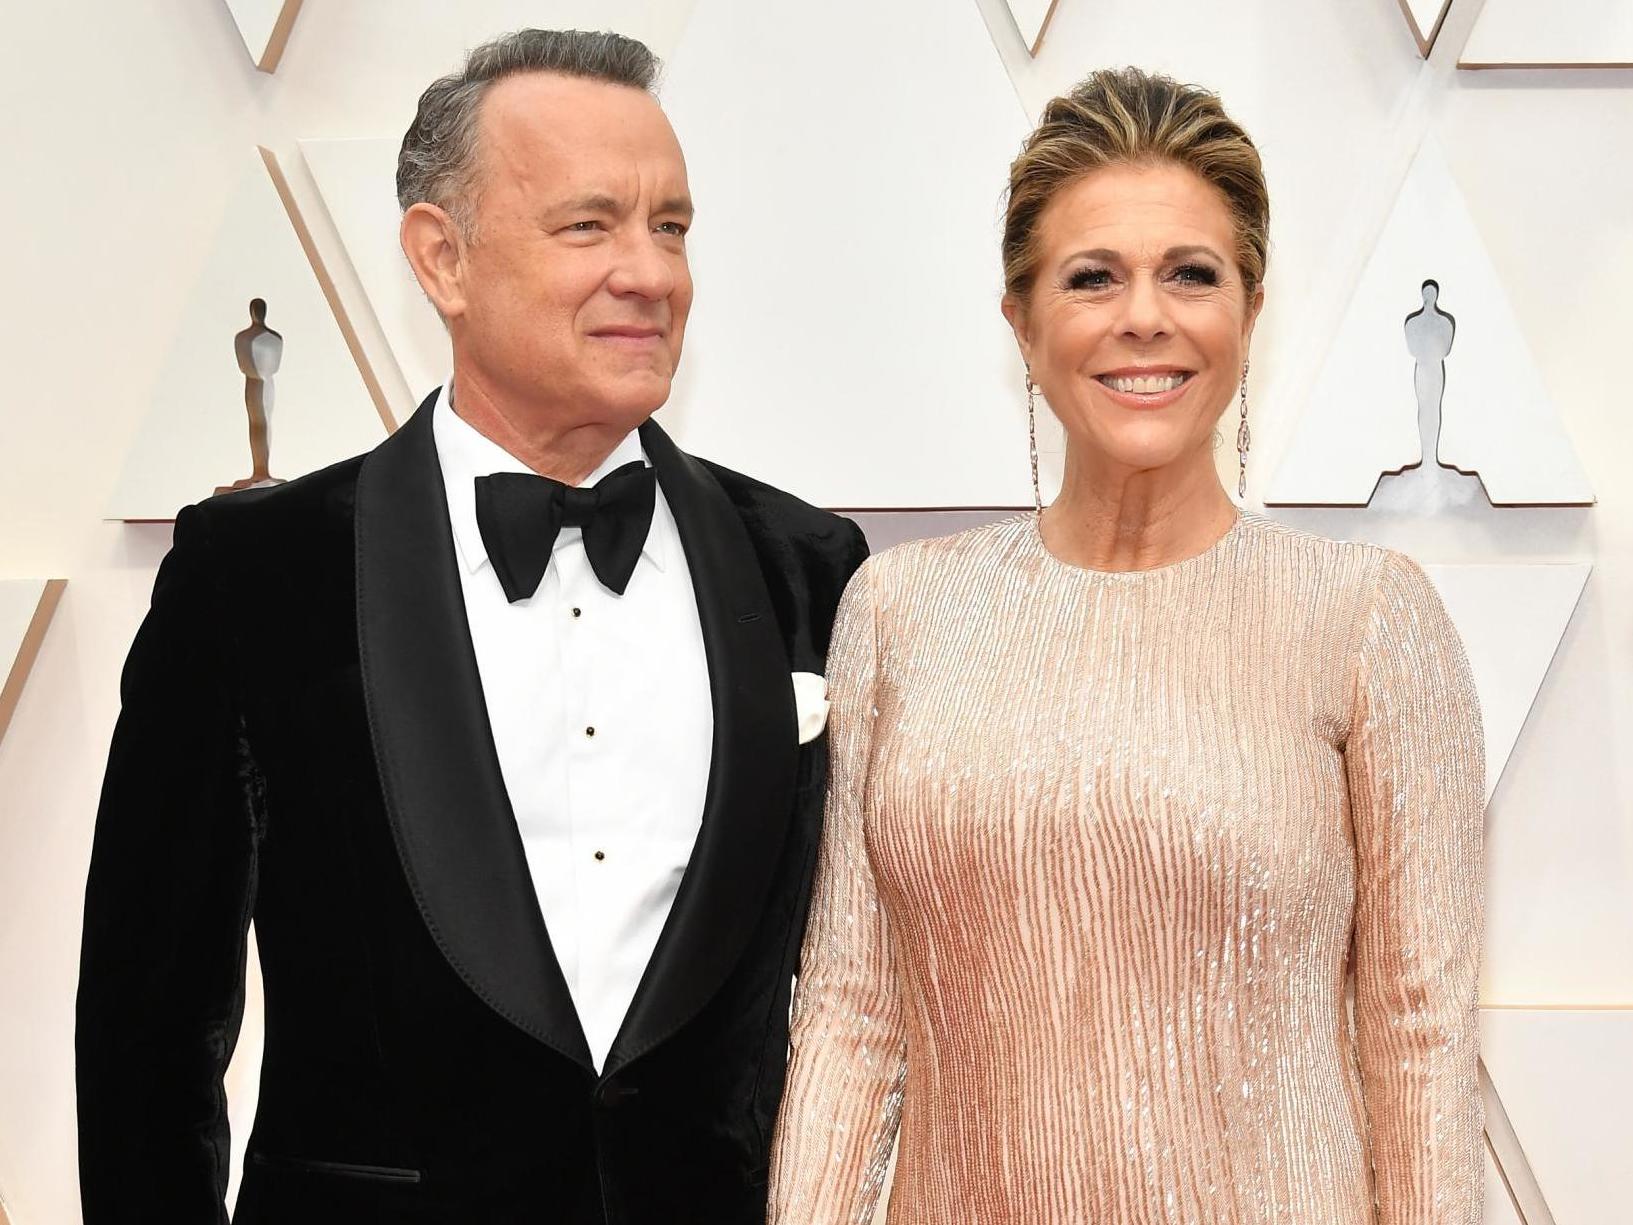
1197, 274
1089, 278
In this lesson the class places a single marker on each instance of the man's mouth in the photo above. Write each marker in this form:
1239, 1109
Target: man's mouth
632, 335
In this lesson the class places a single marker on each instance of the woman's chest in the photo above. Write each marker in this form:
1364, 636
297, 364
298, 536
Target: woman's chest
1120, 745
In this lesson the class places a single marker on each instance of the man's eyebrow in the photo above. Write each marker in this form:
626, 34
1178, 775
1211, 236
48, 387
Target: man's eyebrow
599, 202
594, 203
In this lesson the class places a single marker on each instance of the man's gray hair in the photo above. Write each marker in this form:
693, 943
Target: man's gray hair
438, 160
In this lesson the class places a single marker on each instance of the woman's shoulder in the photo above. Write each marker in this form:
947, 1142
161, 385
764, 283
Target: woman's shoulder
956, 557
1311, 557
1343, 582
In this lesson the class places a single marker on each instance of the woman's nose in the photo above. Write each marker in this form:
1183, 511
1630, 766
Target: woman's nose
1145, 314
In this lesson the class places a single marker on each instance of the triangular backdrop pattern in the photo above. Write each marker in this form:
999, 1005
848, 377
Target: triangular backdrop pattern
1565, 1077
1359, 418
1032, 20
1511, 619
196, 434
1425, 18
265, 27
26, 608
1559, 34
357, 181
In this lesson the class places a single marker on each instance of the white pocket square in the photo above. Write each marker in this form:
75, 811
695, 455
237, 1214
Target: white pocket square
810, 705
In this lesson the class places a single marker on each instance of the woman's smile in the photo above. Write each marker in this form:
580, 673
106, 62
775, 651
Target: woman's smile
1145, 387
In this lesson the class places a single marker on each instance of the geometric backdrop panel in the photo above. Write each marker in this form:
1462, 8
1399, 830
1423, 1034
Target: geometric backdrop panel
1519, 1188
1032, 20
1425, 18
1500, 1208
1558, 34
1565, 1077
356, 179
1429, 275
265, 27
256, 343
1511, 618
847, 342
26, 607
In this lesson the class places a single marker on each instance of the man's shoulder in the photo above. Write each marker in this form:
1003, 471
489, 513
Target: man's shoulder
300, 513
778, 512
806, 554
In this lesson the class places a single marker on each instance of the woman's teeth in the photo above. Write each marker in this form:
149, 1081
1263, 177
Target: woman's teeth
1145, 385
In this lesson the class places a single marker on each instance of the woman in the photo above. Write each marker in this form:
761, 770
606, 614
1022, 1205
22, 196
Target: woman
1128, 794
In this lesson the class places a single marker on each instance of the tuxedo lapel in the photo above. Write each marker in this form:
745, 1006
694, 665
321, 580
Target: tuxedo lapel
450, 813
749, 801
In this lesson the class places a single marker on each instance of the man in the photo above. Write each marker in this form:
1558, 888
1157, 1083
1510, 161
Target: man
505, 769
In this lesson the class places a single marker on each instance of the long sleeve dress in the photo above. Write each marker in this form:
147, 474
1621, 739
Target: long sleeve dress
1144, 897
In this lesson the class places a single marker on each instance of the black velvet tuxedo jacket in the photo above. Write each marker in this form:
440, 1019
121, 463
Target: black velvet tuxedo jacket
304, 742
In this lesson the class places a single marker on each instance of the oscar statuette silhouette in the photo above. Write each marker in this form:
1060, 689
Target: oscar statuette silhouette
1428, 482
259, 351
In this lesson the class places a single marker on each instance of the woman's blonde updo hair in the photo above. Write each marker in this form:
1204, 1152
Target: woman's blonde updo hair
1125, 116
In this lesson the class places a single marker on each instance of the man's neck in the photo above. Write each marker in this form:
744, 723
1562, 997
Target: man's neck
564, 453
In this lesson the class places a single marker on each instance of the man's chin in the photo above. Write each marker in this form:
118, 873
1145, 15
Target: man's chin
634, 401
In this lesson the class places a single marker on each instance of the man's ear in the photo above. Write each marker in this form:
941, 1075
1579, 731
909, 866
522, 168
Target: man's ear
1015, 313
436, 252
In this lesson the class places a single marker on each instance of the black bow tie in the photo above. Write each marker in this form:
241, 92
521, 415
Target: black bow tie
520, 515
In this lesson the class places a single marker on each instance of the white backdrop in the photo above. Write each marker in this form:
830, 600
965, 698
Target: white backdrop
133, 122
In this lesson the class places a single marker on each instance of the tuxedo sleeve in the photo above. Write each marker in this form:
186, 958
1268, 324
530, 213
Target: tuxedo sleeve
167, 910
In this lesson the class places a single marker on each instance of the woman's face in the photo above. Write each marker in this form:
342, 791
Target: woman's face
1138, 321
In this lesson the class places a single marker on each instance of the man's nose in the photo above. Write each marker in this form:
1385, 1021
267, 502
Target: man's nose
642, 268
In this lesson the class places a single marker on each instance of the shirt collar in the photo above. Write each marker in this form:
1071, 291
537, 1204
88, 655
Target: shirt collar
465, 453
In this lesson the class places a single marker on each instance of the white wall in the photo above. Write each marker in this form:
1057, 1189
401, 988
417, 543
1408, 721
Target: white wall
128, 122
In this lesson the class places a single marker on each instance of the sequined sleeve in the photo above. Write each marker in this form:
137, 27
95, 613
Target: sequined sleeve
842, 1104
1415, 766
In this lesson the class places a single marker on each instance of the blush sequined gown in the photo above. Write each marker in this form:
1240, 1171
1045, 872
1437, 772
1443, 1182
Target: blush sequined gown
1104, 853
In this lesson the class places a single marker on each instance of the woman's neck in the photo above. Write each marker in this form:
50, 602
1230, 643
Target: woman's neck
1136, 520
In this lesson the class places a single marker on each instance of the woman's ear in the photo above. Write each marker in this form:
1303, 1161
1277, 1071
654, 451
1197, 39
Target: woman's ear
1015, 313
436, 253
1255, 304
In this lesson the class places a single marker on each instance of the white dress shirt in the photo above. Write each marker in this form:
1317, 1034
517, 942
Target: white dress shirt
601, 714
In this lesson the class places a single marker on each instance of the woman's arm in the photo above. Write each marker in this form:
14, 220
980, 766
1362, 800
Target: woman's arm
1415, 762
843, 1101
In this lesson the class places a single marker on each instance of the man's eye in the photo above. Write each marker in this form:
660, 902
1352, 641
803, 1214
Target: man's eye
1089, 278
673, 227
584, 227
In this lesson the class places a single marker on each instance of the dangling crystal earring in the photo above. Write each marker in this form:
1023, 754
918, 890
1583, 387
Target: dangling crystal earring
1244, 440
1032, 439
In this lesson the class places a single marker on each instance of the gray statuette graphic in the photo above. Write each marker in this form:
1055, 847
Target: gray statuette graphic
1428, 482
259, 351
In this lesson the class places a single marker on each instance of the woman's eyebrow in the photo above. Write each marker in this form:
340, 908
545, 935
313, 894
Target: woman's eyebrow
1107, 256
1183, 252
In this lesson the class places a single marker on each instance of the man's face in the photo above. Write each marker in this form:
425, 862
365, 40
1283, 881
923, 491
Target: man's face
575, 288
